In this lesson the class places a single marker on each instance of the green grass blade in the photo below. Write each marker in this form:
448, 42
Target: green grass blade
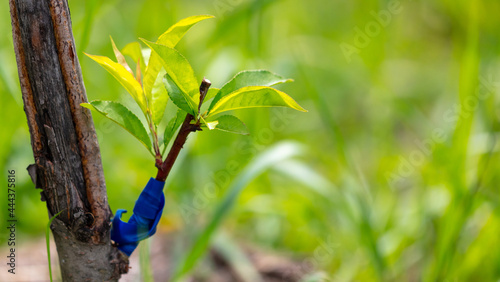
145, 261
47, 242
455, 218
272, 156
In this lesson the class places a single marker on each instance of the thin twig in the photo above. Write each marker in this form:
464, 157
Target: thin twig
186, 128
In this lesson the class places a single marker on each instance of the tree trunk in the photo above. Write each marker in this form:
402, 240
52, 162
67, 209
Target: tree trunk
67, 165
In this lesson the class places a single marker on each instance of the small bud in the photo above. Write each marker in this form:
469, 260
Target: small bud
205, 85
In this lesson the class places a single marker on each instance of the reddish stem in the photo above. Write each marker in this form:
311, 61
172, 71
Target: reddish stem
166, 166
186, 128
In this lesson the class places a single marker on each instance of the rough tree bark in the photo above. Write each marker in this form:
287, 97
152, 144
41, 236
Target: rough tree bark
67, 165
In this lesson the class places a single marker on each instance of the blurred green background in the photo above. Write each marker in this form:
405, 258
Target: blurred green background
392, 175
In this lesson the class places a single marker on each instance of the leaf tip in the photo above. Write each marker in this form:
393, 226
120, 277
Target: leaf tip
206, 16
86, 105
113, 44
147, 42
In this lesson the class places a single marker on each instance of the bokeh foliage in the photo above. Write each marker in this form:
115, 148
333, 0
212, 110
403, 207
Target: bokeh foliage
397, 174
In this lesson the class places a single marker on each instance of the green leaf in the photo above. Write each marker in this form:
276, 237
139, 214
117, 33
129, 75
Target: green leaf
180, 98
211, 93
169, 38
151, 74
134, 51
123, 117
177, 67
269, 158
172, 126
231, 124
159, 96
248, 78
125, 78
252, 97
119, 57
175, 33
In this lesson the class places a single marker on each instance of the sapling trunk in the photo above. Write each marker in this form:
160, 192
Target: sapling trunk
67, 165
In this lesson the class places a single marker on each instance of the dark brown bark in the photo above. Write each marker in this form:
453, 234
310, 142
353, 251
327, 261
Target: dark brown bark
67, 165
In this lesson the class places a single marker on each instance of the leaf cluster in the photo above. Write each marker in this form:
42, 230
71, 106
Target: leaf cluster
167, 75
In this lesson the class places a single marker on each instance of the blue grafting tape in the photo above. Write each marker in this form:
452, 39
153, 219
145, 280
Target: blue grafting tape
142, 224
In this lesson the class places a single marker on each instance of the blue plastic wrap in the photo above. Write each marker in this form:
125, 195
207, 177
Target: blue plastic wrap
142, 224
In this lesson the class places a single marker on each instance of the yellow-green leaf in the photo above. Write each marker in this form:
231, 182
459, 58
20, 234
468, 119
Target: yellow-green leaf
124, 77
175, 33
177, 67
134, 50
160, 98
248, 78
123, 117
169, 38
252, 97
119, 57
